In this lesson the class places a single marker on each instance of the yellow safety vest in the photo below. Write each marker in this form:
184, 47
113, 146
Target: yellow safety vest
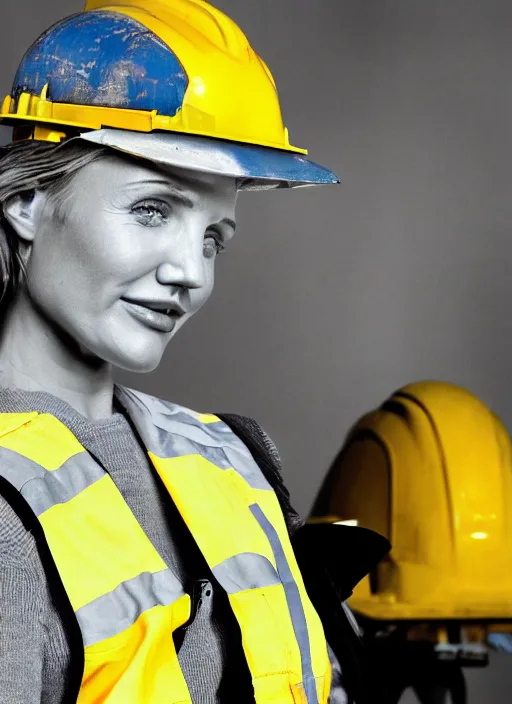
126, 601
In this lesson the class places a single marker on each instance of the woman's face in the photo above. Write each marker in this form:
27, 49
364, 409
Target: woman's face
128, 256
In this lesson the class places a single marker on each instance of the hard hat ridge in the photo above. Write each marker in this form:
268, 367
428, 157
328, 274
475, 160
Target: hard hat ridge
209, 22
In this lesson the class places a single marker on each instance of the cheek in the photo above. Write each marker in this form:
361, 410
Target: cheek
94, 249
67, 266
199, 297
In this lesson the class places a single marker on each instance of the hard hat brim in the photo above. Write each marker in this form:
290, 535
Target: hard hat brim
256, 168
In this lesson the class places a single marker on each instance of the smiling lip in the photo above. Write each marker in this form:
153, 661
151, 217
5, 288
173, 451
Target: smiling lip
158, 315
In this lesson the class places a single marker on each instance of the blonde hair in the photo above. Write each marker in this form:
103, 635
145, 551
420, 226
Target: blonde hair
24, 168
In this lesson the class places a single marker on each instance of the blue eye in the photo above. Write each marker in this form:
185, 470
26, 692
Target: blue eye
151, 213
212, 246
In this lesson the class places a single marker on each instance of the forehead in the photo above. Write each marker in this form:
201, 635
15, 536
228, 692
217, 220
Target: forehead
116, 170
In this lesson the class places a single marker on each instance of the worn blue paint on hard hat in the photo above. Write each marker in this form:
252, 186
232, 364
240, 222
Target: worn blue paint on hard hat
277, 165
104, 59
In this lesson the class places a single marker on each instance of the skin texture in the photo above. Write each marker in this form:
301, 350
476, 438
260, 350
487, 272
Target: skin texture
123, 229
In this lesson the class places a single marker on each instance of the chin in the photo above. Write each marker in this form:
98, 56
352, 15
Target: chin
137, 363
136, 366
139, 359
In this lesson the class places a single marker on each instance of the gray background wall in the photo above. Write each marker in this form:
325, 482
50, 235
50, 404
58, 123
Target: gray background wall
329, 299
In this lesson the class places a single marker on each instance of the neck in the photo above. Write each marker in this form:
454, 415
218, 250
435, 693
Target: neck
34, 357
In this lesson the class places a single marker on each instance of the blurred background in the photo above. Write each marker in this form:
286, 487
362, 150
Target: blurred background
330, 299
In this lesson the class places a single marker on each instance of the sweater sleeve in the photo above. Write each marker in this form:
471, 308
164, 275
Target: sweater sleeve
22, 611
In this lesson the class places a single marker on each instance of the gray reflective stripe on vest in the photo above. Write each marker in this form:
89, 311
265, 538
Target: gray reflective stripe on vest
116, 611
351, 618
245, 571
17, 469
63, 484
174, 445
43, 488
294, 602
170, 431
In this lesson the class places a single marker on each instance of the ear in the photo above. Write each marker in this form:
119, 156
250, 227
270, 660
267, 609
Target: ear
23, 212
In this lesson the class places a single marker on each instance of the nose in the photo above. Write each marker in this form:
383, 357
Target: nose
184, 263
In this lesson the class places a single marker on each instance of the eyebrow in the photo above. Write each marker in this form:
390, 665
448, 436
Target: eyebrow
175, 190
178, 194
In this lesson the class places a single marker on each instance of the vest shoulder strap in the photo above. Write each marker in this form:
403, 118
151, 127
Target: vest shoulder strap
327, 586
267, 458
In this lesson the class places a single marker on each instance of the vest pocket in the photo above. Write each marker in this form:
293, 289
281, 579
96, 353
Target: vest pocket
312, 694
138, 665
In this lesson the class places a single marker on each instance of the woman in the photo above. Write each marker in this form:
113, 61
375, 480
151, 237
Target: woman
144, 551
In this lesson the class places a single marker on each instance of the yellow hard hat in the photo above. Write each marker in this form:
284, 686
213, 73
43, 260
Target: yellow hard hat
126, 69
431, 470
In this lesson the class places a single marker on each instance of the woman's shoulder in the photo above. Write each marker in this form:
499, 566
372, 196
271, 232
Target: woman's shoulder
247, 429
